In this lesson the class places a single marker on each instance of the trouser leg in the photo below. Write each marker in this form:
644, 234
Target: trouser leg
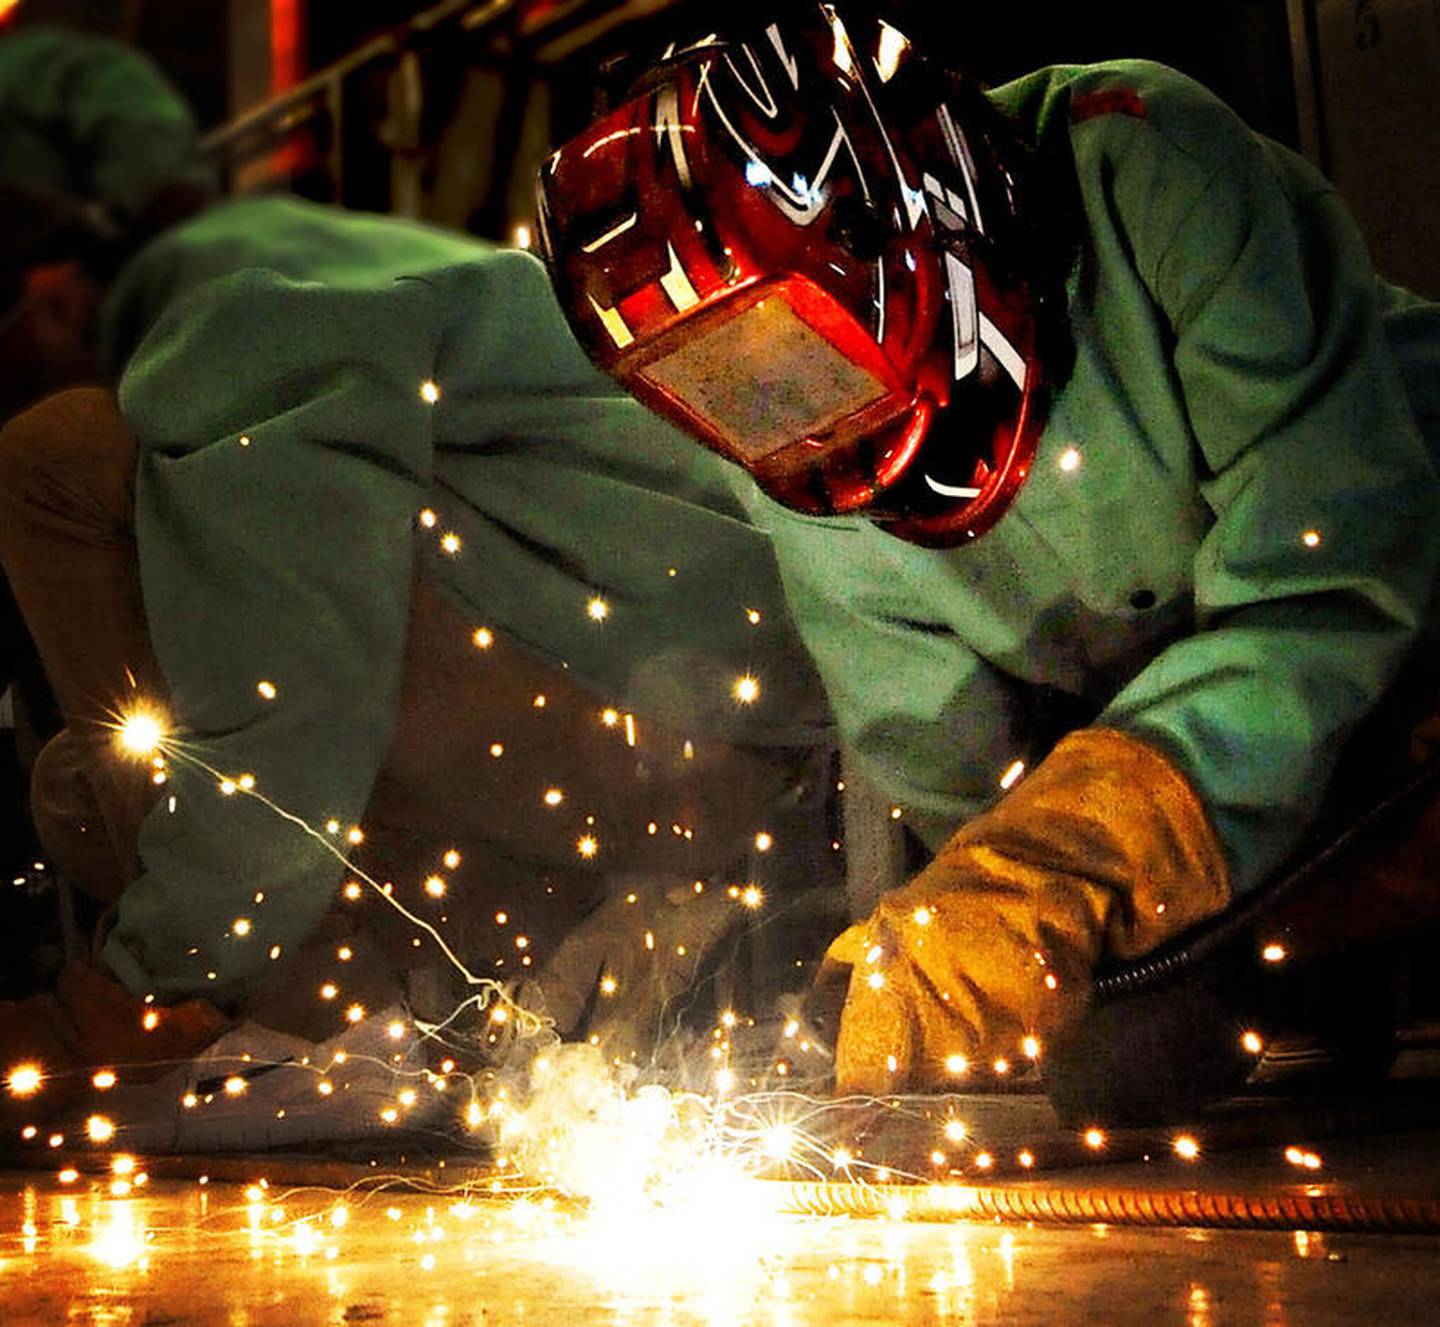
67, 544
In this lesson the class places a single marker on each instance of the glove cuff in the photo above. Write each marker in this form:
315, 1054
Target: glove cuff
1111, 815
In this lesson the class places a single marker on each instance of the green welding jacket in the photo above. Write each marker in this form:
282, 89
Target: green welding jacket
1243, 556
94, 118
304, 384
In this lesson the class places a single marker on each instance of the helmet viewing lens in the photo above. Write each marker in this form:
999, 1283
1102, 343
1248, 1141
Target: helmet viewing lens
762, 380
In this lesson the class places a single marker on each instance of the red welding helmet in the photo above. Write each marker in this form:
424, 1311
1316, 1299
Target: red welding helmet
801, 245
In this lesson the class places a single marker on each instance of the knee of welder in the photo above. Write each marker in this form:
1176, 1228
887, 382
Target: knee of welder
66, 463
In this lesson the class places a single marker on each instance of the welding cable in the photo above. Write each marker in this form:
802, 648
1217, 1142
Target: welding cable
1156, 968
1055, 1205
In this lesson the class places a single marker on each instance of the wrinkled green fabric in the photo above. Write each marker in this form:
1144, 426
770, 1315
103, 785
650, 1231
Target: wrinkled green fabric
1240, 379
92, 117
288, 558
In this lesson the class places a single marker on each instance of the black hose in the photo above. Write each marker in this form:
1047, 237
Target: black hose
1155, 968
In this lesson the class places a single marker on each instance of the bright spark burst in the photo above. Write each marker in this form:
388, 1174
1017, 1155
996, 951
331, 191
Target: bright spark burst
99, 1129
747, 689
24, 1080
141, 732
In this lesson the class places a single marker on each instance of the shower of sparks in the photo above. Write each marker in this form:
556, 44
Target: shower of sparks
566, 1120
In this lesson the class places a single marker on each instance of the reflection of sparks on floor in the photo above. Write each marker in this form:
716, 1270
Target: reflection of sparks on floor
216, 1255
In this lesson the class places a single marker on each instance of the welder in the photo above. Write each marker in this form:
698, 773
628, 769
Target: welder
1098, 461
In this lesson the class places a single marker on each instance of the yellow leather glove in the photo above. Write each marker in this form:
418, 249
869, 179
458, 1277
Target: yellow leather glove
1104, 850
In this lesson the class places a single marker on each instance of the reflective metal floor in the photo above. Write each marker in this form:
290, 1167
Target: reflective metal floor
176, 1252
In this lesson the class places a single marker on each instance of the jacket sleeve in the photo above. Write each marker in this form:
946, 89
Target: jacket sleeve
1311, 584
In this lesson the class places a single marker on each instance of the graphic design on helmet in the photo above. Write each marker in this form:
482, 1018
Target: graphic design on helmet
805, 251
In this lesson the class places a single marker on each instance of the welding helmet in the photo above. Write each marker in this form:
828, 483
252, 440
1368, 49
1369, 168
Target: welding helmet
801, 244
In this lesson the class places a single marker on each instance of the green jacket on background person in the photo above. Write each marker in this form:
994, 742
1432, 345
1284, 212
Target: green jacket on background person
92, 118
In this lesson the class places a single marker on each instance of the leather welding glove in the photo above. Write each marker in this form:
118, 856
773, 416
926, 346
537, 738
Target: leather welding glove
620, 972
1104, 850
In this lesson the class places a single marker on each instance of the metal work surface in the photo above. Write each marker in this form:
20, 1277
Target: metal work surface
96, 1249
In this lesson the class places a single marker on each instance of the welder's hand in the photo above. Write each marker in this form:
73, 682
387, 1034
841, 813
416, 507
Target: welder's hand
1105, 850
619, 973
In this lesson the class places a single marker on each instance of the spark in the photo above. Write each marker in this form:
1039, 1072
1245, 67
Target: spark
553, 797
104, 1079
1187, 1148
608, 985
450, 542
267, 689
429, 391
355, 1014
956, 1131
1253, 1042
483, 638
451, 859
235, 1086
435, 886
956, 1065
922, 916
428, 518
24, 1080
747, 689
587, 846
609, 717
150, 1020
752, 896
1095, 1139
141, 732
1273, 953
597, 609
241, 926
1070, 459
1311, 539
99, 1129
752, 616
1012, 775
1031, 1048
764, 841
